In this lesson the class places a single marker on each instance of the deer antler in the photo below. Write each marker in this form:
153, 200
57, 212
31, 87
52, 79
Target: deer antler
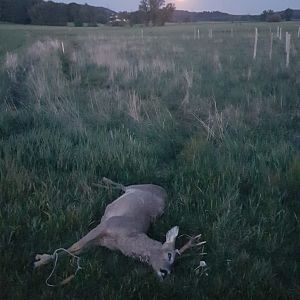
193, 242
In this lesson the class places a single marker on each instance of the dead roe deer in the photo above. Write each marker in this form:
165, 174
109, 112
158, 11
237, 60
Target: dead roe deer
124, 226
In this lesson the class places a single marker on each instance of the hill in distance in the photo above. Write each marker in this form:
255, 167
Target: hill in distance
214, 16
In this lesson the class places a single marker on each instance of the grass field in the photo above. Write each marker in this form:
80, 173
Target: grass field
218, 130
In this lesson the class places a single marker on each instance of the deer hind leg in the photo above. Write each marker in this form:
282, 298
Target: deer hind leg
77, 248
113, 184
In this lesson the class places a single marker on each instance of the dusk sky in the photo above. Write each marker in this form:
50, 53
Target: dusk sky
231, 6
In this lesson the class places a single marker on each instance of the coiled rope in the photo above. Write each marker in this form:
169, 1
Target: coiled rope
54, 256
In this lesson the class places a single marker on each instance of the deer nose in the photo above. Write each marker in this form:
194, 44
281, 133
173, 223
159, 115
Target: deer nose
163, 273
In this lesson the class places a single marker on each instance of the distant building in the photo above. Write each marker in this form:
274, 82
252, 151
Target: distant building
116, 20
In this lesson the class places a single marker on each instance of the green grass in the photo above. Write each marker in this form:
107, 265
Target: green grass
219, 131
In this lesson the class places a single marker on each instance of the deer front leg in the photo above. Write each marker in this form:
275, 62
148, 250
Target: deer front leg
88, 240
193, 242
44, 259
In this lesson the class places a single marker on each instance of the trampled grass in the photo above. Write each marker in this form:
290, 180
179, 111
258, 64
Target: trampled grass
219, 131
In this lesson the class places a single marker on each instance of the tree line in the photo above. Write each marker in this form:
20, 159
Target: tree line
150, 12
40, 12
50, 13
271, 16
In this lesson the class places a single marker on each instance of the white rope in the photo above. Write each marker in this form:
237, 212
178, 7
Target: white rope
55, 258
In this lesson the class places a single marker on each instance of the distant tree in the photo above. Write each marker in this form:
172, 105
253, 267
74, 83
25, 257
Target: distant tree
144, 9
78, 23
154, 11
16, 11
166, 14
20, 15
6, 10
84, 13
136, 17
92, 17
102, 16
49, 13
80, 14
73, 14
265, 14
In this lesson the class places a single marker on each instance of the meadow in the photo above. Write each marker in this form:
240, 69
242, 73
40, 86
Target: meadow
198, 116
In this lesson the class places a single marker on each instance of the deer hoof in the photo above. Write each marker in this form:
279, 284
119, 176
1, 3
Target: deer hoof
41, 259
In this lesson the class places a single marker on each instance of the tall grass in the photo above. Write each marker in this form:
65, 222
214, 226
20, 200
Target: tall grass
218, 130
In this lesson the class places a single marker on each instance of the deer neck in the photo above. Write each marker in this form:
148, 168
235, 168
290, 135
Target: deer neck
139, 246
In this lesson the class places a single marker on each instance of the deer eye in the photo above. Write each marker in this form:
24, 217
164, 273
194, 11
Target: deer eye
169, 256
163, 273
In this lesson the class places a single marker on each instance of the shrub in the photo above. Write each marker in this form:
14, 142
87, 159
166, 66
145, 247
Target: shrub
274, 18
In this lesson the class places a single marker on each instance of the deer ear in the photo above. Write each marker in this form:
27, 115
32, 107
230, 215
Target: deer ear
172, 235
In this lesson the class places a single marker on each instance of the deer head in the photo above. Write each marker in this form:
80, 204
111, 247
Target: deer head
162, 259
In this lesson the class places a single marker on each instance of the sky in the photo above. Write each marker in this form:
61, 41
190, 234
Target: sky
230, 6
